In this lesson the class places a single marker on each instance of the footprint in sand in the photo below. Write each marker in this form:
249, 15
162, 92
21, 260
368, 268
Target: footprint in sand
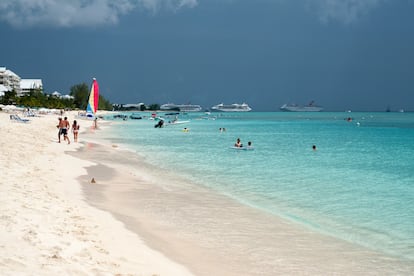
12, 263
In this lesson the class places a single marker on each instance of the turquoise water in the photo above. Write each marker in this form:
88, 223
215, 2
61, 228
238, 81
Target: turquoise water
358, 185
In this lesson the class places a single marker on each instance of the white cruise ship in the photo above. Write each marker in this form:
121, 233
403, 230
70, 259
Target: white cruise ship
231, 107
311, 107
181, 107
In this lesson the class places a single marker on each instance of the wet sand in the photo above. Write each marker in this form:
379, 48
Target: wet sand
210, 233
46, 226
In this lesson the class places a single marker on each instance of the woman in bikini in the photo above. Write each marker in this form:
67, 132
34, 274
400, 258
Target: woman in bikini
75, 130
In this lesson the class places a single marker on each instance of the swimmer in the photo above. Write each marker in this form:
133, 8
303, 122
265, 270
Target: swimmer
238, 143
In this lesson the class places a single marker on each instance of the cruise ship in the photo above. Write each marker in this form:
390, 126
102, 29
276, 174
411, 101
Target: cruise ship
231, 107
181, 107
311, 107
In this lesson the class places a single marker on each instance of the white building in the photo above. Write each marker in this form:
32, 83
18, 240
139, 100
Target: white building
3, 90
60, 96
30, 85
9, 80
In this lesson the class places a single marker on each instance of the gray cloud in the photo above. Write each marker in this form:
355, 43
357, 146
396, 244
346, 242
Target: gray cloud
63, 13
344, 11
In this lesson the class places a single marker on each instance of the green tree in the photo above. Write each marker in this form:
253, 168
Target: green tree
10, 97
154, 107
80, 92
36, 98
104, 104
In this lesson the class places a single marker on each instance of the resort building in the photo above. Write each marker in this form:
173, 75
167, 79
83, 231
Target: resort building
60, 96
3, 90
30, 85
9, 80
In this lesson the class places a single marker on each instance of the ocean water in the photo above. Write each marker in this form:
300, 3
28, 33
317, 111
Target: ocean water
357, 186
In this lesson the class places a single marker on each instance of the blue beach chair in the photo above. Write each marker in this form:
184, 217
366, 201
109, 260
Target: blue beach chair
16, 118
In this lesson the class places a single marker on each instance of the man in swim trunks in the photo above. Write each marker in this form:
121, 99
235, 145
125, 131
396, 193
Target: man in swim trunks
60, 126
65, 128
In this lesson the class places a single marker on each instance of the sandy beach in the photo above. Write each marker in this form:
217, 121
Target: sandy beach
137, 220
46, 227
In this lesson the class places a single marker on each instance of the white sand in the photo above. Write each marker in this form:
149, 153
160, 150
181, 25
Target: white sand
46, 227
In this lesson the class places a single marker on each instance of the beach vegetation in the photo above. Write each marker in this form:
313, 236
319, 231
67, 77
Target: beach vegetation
9, 97
36, 98
80, 94
154, 107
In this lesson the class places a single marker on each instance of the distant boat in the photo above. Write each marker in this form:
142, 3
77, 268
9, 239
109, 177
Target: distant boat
135, 116
231, 107
177, 122
181, 107
311, 107
121, 116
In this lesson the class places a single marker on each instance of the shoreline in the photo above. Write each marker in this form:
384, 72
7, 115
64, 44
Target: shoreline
137, 220
46, 225
212, 234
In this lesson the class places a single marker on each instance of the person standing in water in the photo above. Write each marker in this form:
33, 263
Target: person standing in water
238, 143
95, 123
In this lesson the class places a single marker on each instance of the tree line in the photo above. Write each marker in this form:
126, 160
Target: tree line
36, 98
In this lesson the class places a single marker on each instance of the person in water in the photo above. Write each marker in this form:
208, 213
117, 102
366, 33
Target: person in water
238, 143
159, 124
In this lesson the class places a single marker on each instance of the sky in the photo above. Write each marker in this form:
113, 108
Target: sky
344, 54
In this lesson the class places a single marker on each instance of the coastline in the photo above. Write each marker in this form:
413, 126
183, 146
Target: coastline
137, 220
212, 234
46, 226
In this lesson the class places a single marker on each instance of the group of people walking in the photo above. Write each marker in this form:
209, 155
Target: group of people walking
64, 127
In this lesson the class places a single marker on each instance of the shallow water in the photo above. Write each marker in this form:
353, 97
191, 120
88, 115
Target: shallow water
357, 186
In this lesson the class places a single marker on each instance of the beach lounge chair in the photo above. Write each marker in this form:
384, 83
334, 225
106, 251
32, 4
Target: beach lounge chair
16, 118
30, 113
